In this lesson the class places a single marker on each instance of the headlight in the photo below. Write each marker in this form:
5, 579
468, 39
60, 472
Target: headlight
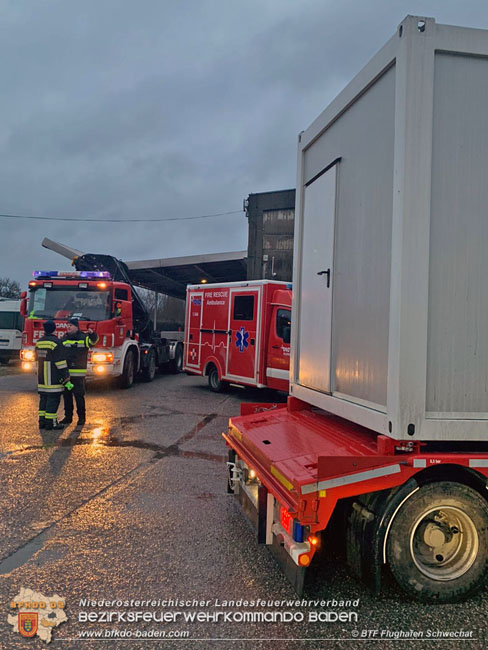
102, 357
27, 355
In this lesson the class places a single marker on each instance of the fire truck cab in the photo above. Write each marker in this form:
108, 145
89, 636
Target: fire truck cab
126, 342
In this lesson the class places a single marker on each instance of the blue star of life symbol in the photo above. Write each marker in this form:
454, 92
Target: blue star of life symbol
242, 339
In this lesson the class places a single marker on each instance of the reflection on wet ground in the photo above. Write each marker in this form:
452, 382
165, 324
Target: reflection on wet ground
107, 436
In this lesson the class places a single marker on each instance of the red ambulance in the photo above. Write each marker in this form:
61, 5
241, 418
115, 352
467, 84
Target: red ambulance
239, 333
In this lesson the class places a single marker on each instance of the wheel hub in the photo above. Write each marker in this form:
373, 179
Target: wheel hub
444, 543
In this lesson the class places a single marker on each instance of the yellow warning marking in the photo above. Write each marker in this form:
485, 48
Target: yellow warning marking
321, 493
281, 478
235, 432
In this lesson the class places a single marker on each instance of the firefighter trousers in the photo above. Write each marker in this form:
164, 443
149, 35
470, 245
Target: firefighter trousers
48, 408
78, 393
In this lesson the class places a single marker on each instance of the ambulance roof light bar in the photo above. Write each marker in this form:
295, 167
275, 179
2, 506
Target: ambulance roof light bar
72, 274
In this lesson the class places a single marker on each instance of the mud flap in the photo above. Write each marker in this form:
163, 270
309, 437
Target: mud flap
366, 528
294, 573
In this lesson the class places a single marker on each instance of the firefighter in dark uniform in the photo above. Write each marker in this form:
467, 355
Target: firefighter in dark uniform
52, 376
76, 345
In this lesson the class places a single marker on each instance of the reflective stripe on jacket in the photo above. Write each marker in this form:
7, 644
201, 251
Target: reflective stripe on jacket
76, 348
52, 368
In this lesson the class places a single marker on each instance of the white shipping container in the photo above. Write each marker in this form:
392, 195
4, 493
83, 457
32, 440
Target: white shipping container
390, 308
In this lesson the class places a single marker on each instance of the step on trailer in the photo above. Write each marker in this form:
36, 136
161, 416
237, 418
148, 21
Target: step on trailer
387, 416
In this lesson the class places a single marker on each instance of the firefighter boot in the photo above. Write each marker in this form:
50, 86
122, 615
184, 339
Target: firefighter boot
42, 423
53, 425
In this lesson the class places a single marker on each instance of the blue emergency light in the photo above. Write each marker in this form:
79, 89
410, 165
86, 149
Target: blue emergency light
72, 274
298, 532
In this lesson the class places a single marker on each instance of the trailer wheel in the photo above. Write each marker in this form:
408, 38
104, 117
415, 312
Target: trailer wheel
437, 548
214, 381
176, 364
128, 373
149, 371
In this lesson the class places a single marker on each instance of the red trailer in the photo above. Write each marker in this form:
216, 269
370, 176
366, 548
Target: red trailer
239, 333
383, 444
419, 508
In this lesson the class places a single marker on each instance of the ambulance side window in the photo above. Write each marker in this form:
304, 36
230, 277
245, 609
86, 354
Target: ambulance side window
244, 308
283, 324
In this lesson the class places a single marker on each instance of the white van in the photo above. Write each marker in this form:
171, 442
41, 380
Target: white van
11, 326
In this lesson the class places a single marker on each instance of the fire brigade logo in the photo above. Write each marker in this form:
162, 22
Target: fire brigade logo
193, 354
28, 623
36, 614
242, 339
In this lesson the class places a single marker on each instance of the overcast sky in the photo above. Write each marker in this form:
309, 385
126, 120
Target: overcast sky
168, 108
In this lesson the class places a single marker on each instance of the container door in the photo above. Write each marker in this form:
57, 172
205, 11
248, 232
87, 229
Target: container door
194, 320
244, 323
315, 327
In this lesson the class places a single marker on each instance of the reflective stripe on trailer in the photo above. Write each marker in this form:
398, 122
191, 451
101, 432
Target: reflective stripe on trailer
282, 479
478, 462
350, 478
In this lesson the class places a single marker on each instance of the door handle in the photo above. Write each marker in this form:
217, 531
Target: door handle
327, 273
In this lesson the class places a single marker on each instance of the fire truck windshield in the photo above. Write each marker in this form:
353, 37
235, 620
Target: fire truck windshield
63, 303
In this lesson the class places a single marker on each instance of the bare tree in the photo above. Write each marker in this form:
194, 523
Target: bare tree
9, 288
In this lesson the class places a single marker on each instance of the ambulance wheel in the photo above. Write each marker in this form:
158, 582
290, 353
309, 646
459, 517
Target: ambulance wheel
437, 548
176, 364
214, 381
128, 373
149, 371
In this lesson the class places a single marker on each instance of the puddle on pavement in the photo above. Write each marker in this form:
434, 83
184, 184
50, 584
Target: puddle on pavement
105, 437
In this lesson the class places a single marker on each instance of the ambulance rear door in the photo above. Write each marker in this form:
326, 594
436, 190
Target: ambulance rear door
244, 324
194, 320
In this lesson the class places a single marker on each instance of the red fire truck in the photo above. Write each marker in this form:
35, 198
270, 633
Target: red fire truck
101, 296
239, 333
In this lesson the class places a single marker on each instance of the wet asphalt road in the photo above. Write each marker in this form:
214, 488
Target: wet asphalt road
134, 506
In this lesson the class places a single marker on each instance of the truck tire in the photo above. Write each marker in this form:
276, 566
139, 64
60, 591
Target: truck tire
149, 371
437, 547
214, 381
176, 365
129, 371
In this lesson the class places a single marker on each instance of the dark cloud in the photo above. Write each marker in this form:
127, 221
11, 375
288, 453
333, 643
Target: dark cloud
119, 109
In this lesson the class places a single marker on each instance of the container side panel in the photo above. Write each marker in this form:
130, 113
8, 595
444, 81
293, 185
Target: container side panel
457, 355
363, 137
